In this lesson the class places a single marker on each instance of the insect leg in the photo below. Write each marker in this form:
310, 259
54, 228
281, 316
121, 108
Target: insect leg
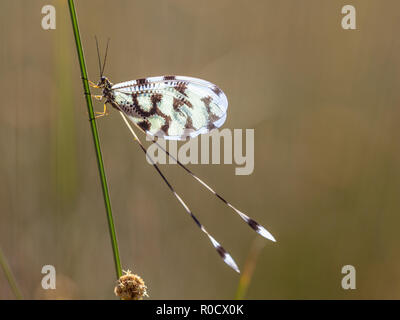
97, 97
101, 114
93, 85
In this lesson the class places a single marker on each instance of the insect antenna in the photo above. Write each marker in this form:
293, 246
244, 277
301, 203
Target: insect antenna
252, 223
226, 257
101, 68
98, 56
105, 57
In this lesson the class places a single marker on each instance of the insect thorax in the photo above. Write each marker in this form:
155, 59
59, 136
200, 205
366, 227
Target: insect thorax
107, 92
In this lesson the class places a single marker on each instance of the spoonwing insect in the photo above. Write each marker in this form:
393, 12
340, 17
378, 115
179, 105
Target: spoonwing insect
173, 108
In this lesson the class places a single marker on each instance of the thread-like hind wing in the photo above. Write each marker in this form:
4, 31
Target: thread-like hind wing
226, 257
251, 222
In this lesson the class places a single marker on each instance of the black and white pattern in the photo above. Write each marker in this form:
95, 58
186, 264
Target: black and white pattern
171, 107
221, 251
252, 223
175, 107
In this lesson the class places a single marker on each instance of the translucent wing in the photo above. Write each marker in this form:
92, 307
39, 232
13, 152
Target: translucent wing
172, 107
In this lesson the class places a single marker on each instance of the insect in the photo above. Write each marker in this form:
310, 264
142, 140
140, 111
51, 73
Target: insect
174, 108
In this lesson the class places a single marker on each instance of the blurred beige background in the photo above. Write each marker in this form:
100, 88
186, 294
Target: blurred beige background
324, 103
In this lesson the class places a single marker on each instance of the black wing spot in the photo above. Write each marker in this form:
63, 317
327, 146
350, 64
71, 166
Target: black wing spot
207, 100
221, 251
165, 128
141, 81
145, 125
217, 90
177, 103
169, 77
211, 126
181, 88
189, 124
155, 98
253, 224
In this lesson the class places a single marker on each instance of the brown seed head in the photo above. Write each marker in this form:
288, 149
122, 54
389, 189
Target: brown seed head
130, 287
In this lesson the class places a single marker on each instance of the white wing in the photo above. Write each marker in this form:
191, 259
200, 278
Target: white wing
172, 107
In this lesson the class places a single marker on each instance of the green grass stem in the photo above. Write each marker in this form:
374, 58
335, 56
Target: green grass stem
9, 276
96, 139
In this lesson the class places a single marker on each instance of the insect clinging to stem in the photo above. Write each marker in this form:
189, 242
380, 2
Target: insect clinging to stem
173, 108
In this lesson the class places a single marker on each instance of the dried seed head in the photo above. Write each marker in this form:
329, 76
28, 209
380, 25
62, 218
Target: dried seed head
130, 287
